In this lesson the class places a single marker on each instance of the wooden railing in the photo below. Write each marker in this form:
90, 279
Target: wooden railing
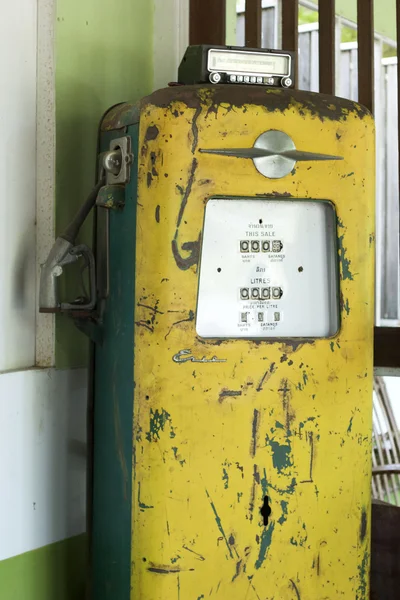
207, 25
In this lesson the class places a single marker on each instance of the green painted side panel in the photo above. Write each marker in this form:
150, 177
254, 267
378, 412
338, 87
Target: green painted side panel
53, 572
113, 413
104, 55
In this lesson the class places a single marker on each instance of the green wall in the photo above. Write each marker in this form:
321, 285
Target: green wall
104, 55
49, 573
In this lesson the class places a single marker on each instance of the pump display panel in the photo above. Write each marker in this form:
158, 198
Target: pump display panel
268, 269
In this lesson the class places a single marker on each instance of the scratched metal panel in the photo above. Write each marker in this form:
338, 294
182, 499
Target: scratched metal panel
288, 421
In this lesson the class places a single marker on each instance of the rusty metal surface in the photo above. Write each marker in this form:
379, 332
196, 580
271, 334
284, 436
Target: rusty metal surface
290, 421
324, 107
111, 196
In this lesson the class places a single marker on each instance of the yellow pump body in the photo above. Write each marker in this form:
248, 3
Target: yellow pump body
243, 461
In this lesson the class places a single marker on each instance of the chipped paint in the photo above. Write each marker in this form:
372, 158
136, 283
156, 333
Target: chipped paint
296, 589
225, 478
219, 524
158, 421
283, 517
265, 542
178, 457
350, 425
267, 375
344, 260
254, 431
363, 573
281, 454
142, 505
363, 526
269, 421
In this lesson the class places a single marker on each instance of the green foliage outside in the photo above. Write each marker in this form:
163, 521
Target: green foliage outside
306, 15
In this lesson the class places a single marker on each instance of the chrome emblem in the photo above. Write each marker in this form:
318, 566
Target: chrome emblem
274, 154
186, 356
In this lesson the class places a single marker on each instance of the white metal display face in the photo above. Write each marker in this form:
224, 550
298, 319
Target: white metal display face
268, 270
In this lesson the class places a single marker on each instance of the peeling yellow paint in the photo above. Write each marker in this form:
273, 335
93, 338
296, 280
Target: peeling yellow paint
276, 419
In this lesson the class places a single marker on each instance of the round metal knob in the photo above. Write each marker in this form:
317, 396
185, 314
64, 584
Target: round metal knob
286, 82
215, 77
112, 161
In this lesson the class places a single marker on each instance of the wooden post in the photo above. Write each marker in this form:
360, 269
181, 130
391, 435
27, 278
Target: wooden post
326, 17
253, 23
207, 22
290, 28
365, 25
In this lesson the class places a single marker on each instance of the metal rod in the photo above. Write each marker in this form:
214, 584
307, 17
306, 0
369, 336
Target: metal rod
253, 17
327, 44
376, 480
207, 23
365, 22
388, 469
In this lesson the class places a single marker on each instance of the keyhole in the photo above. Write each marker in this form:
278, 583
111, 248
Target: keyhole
265, 511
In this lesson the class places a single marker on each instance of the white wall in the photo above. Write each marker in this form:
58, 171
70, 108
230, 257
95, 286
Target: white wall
171, 38
42, 458
42, 412
18, 24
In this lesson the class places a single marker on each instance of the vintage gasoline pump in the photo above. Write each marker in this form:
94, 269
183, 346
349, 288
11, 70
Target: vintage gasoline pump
233, 314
